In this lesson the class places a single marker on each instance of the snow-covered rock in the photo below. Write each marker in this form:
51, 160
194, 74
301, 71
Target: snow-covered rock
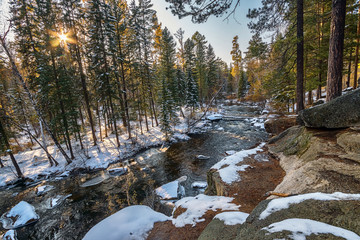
20, 215
133, 222
197, 206
232, 218
168, 191
301, 228
118, 171
41, 190
96, 180
202, 157
283, 203
228, 167
199, 185
10, 235
214, 117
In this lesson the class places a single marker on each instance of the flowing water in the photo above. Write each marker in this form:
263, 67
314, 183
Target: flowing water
78, 202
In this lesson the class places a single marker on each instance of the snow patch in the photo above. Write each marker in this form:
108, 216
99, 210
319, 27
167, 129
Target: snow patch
214, 117
228, 168
232, 218
20, 215
132, 222
202, 157
197, 206
283, 203
199, 185
301, 228
43, 189
96, 180
10, 235
168, 191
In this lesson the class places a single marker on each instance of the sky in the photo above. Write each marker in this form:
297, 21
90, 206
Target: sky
218, 32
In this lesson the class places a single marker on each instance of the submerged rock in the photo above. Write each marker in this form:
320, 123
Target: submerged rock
202, 157
341, 112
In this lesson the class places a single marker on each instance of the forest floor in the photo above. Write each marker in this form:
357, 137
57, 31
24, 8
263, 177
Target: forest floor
35, 165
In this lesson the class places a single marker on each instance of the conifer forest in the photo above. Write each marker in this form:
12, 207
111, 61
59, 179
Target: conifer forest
103, 106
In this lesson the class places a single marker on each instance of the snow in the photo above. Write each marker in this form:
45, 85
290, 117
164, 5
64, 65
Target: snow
199, 185
228, 167
10, 235
44, 189
34, 162
20, 215
202, 157
132, 222
301, 228
283, 203
197, 206
168, 191
232, 218
96, 180
214, 117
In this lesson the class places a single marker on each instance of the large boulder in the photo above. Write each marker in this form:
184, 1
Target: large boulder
318, 160
341, 112
305, 218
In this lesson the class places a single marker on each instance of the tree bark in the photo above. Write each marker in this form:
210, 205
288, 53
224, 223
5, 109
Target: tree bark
300, 57
336, 49
357, 51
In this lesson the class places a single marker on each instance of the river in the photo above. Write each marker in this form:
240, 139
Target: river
83, 199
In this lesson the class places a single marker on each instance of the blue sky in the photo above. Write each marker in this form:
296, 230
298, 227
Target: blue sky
218, 32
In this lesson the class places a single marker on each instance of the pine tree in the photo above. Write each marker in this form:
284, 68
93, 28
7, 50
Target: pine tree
192, 90
168, 88
200, 65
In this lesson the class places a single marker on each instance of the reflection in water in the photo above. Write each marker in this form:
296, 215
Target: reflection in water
94, 196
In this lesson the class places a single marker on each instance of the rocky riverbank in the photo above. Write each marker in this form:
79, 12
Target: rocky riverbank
321, 183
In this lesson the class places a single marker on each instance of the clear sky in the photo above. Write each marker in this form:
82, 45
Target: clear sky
218, 32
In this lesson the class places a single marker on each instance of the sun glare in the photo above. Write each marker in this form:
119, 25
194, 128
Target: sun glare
63, 37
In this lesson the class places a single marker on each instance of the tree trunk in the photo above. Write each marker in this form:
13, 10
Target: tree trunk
23, 83
13, 160
336, 49
349, 69
300, 57
99, 119
357, 51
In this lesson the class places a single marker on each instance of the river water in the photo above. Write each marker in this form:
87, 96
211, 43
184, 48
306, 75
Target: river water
78, 202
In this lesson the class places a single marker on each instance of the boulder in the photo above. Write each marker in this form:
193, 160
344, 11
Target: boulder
277, 125
334, 214
317, 160
341, 112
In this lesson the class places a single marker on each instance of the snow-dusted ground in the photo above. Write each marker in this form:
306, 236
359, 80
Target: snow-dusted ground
300, 228
283, 203
34, 162
228, 167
